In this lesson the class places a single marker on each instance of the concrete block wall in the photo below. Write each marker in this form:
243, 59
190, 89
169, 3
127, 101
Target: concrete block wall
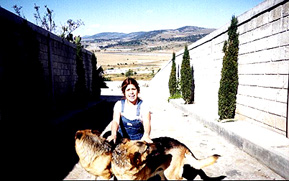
263, 66
58, 59
56, 56
63, 64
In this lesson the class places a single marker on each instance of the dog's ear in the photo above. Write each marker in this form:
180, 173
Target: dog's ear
135, 159
142, 146
96, 132
78, 134
124, 140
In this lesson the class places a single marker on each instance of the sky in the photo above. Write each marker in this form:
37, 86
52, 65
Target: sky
135, 15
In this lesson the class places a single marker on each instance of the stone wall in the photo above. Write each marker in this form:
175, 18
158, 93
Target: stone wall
38, 68
263, 66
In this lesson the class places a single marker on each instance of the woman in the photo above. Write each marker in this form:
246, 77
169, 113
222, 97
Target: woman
131, 116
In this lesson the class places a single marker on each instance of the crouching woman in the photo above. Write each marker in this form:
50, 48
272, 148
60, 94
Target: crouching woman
131, 116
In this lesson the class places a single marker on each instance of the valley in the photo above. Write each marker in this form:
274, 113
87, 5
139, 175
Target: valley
143, 66
139, 54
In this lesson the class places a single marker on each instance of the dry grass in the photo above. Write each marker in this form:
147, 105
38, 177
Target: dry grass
145, 65
130, 58
118, 77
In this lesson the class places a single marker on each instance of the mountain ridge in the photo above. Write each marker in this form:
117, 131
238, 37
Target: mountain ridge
145, 41
146, 34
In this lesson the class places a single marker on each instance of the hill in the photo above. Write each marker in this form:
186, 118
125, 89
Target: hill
150, 41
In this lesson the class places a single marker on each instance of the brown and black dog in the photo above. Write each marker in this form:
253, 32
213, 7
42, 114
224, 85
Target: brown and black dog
130, 160
94, 153
167, 157
138, 160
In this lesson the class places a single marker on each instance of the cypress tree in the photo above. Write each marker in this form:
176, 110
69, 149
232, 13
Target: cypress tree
186, 78
192, 100
229, 80
173, 79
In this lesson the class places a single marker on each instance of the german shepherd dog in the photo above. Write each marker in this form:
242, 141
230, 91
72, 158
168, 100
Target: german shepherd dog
167, 157
94, 153
138, 160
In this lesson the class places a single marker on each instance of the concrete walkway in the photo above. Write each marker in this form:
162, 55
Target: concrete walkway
268, 147
205, 138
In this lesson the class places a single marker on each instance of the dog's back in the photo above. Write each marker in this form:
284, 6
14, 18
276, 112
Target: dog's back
181, 155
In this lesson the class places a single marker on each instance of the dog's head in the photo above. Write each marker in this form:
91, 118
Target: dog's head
82, 133
90, 141
137, 153
132, 153
139, 158
94, 152
140, 151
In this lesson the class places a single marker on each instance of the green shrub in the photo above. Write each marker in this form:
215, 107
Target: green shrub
186, 77
192, 100
129, 73
177, 95
173, 79
229, 80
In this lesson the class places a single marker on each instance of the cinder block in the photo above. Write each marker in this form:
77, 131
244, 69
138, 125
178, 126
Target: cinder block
263, 19
272, 81
286, 52
275, 13
274, 41
279, 95
278, 54
284, 38
268, 119
285, 10
43, 47
281, 67
261, 44
285, 23
277, 108
280, 123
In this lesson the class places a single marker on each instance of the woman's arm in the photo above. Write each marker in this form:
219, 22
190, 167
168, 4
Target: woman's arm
114, 124
147, 127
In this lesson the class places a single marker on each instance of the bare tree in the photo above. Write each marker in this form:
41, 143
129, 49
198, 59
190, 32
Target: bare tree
17, 10
69, 28
46, 21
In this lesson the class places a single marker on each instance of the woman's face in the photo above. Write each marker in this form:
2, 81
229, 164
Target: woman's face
131, 93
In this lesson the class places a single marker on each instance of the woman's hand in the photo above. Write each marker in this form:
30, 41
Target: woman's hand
111, 138
146, 138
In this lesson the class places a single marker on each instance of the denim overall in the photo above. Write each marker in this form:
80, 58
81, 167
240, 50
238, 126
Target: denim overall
132, 129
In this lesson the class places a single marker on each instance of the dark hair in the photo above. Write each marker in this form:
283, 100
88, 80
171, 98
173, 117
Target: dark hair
128, 81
